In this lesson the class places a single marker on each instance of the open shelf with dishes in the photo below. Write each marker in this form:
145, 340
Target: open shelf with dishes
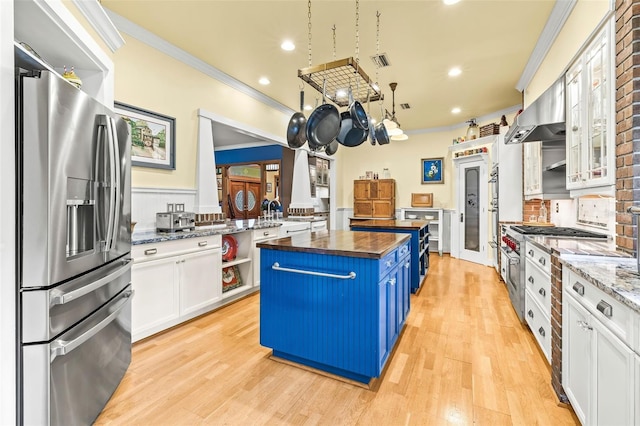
435, 218
236, 267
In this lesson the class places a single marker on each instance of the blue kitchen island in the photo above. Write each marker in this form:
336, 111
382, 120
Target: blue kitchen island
419, 231
335, 301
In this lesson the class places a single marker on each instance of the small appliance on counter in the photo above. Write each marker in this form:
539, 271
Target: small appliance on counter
175, 219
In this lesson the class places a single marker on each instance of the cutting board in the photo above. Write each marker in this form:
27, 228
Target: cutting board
538, 224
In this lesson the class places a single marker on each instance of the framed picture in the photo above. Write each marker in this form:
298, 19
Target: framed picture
153, 137
269, 187
432, 171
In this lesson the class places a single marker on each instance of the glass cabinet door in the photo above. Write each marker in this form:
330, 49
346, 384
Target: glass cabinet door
597, 65
532, 168
574, 125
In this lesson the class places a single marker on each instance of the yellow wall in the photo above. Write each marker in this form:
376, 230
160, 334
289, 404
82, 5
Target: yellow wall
403, 159
580, 25
152, 80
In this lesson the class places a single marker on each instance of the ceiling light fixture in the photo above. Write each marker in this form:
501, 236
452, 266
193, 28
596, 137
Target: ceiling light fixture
456, 110
454, 72
264, 81
393, 128
308, 107
288, 45
450, 2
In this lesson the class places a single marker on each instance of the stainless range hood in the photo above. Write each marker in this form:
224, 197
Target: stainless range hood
543, 120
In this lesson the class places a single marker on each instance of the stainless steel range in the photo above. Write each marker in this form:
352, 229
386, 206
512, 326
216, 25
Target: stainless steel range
513, 249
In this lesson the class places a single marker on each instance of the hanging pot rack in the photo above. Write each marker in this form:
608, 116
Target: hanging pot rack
338, 75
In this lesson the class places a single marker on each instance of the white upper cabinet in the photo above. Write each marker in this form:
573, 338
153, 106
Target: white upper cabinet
532, 169
590, 116
52, 31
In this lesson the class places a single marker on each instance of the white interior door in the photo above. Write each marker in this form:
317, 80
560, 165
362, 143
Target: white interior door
472, 213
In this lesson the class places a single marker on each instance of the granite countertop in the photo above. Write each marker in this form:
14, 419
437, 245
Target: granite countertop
372, 245
391, 224
615, 276
230, 227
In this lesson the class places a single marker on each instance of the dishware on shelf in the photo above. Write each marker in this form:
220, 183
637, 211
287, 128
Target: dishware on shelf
412, 216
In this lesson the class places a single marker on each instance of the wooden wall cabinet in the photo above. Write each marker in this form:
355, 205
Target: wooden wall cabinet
375, 198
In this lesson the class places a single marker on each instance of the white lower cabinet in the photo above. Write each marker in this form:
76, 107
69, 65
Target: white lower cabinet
174, 281
200, 280
258, 236
156, 301
599, 373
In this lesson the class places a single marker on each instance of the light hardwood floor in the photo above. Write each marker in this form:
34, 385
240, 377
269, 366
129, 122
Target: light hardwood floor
463, 359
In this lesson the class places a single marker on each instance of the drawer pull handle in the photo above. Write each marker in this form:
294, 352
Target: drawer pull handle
543, 292
406, 265
530, 279
530, 313
605, 308
148, 252
578, 288
541, 331
265, 233
202, 244
542, 261
392, 281
389, 263
531, 253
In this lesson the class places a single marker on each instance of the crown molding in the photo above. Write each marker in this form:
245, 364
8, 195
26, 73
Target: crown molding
97, 17
178, 54
559, 15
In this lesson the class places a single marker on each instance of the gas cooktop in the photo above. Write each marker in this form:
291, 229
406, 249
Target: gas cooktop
556, 231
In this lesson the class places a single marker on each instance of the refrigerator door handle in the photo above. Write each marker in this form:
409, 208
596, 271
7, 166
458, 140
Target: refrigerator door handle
113, 189
61, 347
116, 181
60, 297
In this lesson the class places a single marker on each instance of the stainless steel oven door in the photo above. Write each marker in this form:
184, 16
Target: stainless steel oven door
69, 380
513, 281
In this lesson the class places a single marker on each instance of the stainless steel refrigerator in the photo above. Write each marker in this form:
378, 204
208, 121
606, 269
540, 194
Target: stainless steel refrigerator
74, 265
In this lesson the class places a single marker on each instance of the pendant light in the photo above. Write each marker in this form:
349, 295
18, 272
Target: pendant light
394, 130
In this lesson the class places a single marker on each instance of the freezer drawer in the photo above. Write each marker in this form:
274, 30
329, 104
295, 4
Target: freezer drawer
47, 313
69, 380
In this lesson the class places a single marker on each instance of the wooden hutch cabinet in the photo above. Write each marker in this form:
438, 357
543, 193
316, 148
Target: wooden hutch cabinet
375, 198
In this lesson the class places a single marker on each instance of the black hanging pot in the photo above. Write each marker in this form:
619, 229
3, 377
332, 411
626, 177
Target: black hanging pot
350, 135
323, 124
296, 130
382, 137
332, 148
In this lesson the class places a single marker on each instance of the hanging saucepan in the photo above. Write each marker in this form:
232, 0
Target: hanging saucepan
324, 123
358, 114
382, 137
372, 130
332, 148
351, 135
296, 131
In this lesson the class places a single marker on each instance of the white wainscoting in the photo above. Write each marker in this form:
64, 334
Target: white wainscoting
146, 202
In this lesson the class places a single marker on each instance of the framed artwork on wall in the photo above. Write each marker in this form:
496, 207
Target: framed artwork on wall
153, 137
432, 170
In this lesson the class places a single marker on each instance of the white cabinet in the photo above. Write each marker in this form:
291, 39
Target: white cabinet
599, 366
199, 280
258, 236
320, 225
590, 116
538, 296
438, 231
174, 281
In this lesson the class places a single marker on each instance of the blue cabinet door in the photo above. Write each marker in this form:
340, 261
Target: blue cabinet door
383, 303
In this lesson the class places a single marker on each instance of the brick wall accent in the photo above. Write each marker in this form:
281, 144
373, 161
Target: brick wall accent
556, 328
532, 207
627, 37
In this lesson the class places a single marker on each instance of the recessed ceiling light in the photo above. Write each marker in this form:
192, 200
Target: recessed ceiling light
455, 110
264, 81
341, 93
308, 107
454, 72
449, 2
287, 45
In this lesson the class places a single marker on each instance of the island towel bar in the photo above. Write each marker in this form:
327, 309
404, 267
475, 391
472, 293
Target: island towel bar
351, 276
